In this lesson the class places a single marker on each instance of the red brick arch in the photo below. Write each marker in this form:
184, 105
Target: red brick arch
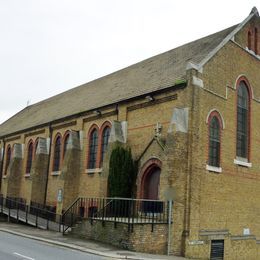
146, 169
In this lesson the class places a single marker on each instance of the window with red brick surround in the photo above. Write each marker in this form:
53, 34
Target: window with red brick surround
65, 142
249, 40
105, 133
57, 153
8, 158
93, 148
243, 118
215, 127
29, 157
256, 41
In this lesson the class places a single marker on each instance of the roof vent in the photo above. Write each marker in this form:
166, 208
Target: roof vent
254, 11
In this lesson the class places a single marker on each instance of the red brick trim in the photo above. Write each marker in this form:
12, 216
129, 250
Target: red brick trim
249, 89
144, 171
6, 154
53, 150
249, 39
256, 41
216, 114
30, 142
65, 136
102, 128
91, 129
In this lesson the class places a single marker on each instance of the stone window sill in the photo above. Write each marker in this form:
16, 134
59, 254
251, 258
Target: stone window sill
27, 175
92, 171
242, 162
213, 168
56, 173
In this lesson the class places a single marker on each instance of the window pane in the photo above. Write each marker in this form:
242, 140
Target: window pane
242, 121
56, 165
66, 141
105, 137
214, 142
29, 158
8, 159
93, 145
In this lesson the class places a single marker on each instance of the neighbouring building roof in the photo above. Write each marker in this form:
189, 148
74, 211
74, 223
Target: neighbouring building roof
156, 73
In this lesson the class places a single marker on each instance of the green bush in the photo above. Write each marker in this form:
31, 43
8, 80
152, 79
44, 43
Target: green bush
122, 173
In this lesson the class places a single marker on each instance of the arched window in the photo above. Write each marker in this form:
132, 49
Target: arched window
29, 157
243, 109
56, 158
214, 142
66, 141
36, 145
105, 137
93, 147
256, 41
8, 158
249, 40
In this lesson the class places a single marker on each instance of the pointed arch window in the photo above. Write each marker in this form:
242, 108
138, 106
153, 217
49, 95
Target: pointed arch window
256, 41
29, 158
8, 158
56, 158
105, 137
243, 112
93, 147
249, 40
214, 142
65, 146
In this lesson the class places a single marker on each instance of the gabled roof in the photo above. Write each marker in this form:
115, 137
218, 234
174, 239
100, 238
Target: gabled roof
156, 73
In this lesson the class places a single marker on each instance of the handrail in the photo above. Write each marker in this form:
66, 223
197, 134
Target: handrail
72, 204
38, 216
117, 210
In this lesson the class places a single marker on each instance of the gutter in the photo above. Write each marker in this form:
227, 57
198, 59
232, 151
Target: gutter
179, 84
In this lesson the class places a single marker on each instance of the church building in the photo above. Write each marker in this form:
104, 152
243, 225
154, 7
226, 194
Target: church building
191, 117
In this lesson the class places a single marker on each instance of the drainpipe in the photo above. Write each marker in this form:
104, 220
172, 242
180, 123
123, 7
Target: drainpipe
48, 165
2, 166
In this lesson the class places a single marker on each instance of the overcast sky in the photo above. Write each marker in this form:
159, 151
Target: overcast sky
49, 46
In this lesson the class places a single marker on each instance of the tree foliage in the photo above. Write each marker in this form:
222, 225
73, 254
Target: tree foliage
122, 173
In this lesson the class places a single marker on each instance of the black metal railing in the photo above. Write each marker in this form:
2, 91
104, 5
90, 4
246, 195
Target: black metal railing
42, 217
44, 211
117, 210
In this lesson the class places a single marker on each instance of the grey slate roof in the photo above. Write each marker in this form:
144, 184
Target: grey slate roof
155, 73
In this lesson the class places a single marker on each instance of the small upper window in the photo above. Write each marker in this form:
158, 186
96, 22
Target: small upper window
242, 120
29, 158
249, 40
57, 150
105, 137
256, 41
214, 142
93, 147
8, 158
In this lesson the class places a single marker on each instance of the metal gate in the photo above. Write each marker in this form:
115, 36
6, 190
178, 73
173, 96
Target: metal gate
217, 250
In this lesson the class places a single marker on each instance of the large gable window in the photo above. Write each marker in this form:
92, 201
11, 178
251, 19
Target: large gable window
93, 147
243, 112
57, 152
29, 158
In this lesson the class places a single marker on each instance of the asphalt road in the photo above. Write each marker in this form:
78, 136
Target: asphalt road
14, 247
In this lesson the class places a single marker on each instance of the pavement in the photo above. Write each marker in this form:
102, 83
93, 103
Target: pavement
83, 245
